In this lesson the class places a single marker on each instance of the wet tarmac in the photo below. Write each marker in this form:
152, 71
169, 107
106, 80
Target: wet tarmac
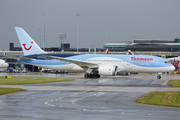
91, 99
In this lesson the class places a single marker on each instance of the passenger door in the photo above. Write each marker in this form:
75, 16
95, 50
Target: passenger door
155, 62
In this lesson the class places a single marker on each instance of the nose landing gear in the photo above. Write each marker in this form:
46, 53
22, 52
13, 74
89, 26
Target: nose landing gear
159, 77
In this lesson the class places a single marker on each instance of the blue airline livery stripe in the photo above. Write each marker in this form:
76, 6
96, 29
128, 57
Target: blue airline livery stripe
51, 54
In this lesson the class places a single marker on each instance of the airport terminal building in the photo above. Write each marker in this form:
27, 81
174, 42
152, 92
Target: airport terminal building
146, 45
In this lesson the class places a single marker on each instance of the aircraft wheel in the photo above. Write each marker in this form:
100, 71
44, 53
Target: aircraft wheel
86, 75
158, 77
97, 76
91, 76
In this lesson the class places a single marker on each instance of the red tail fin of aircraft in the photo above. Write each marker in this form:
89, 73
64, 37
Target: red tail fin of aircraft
106, 51
130, 53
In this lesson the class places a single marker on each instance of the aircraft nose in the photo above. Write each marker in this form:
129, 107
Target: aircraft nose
172, 68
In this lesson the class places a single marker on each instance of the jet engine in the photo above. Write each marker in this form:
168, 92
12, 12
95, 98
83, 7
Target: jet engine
109, 70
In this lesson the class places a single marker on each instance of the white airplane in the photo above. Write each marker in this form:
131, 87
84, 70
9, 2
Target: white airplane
3, 64
93, 65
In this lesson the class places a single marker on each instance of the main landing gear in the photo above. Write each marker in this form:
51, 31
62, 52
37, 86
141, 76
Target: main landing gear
91, 75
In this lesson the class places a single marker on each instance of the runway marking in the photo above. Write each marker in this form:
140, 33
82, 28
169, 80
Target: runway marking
73, 102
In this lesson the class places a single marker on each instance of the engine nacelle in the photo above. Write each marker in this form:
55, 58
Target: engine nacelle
109, 70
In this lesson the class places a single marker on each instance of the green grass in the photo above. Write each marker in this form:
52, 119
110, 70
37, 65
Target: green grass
164, 98
174, 83
29, 80
10, 90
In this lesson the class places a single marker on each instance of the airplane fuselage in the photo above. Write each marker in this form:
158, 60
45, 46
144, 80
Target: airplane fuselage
125, 63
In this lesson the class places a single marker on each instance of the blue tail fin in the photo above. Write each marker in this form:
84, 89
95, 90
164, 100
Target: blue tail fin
28, 45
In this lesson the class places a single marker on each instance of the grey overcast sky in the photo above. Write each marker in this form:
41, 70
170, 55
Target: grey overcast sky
121, 20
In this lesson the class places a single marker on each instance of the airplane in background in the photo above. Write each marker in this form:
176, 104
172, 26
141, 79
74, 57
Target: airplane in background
106, 51
173, 58
3, 64
130, 52
175, 62
93, 65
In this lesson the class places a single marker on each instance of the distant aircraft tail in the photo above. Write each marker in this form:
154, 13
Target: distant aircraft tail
130, 53
28, 45
106, 51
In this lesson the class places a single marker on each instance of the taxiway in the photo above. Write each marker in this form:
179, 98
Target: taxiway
105, 98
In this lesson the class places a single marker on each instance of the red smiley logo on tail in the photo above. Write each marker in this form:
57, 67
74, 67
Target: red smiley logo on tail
27, 48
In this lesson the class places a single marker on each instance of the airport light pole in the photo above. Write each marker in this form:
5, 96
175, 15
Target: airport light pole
40, 36
44, 14
93, 44
93, 41
109, 39
77, 15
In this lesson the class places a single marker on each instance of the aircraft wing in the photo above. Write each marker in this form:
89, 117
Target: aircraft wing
77, 62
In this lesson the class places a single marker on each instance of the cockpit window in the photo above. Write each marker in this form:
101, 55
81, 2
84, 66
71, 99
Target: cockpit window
167, 62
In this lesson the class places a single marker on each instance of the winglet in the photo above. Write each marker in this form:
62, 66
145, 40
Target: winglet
28, 45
